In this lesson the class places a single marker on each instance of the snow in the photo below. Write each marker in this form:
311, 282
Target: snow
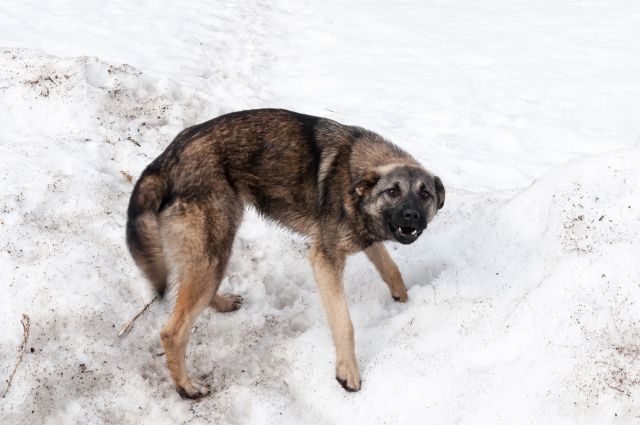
523, 292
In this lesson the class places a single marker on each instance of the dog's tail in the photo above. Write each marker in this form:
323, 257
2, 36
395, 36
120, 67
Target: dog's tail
143, 232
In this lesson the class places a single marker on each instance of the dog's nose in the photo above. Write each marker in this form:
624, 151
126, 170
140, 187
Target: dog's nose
410, 214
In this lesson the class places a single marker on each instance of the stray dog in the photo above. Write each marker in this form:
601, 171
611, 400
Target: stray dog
344, 187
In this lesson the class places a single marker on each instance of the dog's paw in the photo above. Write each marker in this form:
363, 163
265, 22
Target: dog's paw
349, 378
225, 303
193, 389
401, 297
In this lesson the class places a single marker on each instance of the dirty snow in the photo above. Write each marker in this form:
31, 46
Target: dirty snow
523, 294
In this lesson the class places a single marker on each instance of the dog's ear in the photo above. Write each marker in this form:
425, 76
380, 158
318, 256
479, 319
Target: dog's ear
362, 187
439, 191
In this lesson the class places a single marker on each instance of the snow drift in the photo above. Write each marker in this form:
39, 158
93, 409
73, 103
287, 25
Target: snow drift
523, 304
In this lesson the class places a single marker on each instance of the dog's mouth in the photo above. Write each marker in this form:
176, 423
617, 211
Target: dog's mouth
405, 234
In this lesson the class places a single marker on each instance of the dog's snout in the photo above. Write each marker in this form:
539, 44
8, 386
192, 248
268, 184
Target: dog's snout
410, 214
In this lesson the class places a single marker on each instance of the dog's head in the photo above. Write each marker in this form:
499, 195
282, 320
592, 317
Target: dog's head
400, 200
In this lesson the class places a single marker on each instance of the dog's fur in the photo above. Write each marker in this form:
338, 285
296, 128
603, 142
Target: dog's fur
344, 187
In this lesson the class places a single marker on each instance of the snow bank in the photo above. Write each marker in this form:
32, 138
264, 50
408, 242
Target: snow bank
74, 130
523, 305
214, 47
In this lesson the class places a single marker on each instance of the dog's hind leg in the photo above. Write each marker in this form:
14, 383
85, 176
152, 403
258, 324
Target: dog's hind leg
194, 293
388, 269
198, 239
225, 303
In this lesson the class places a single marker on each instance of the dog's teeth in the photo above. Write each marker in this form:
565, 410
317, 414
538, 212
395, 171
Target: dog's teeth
414, 232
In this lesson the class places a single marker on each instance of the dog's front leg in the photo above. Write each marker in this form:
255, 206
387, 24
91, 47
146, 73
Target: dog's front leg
328, 266
388, 269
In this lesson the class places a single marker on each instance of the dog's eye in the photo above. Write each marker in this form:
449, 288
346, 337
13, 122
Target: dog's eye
425, 195
393, 192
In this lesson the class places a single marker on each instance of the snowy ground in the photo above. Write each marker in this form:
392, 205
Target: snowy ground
524, 295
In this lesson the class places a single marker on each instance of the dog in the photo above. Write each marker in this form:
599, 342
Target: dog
345, 188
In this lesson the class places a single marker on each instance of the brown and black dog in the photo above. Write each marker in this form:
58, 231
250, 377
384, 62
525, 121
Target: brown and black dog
344, 187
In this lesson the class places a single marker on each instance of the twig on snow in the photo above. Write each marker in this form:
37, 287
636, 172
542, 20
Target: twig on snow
25, 335
127, 327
